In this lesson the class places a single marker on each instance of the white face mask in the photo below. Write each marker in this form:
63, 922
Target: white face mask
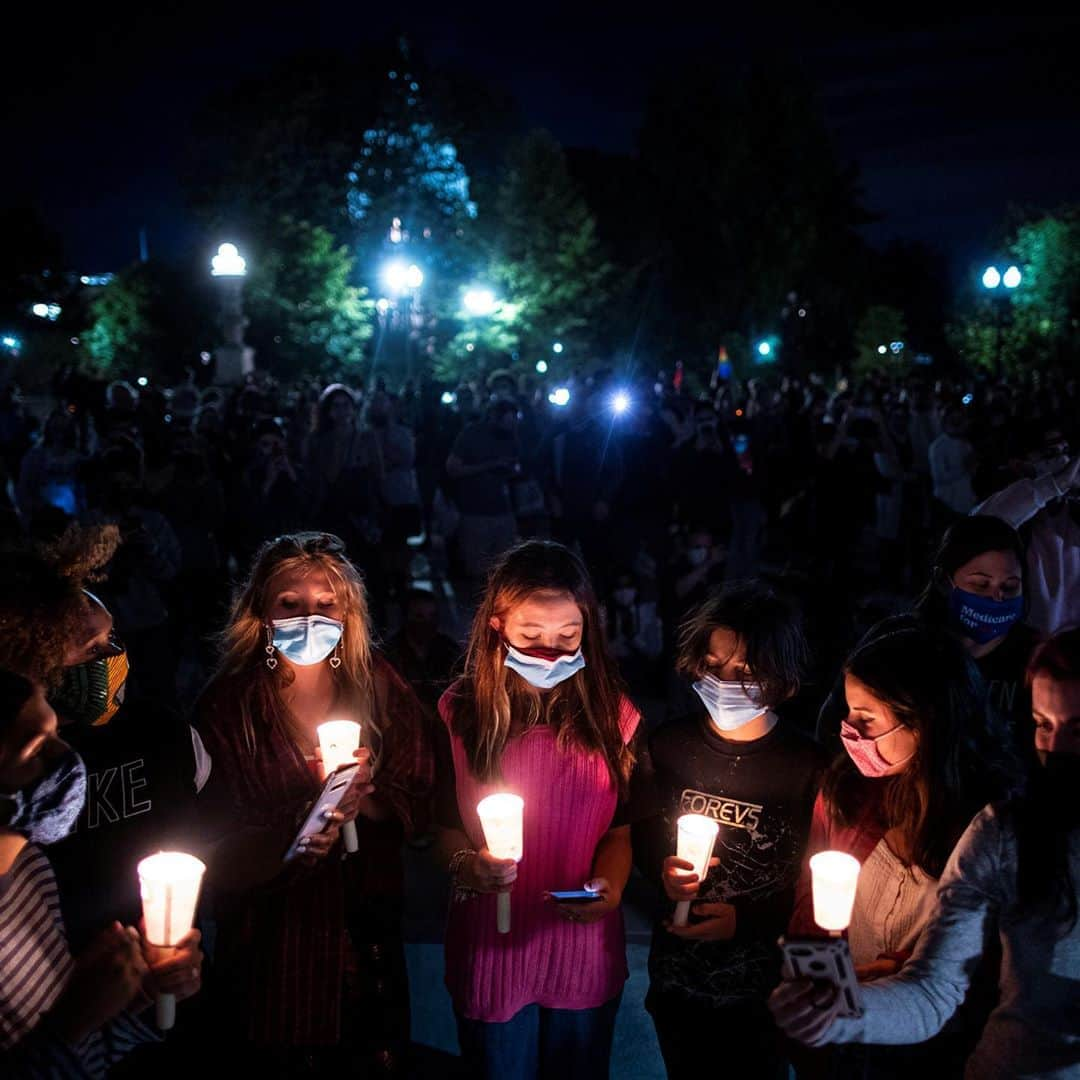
540, 672
730, 706
306, 639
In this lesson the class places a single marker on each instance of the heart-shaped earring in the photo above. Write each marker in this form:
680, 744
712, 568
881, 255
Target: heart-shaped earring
271, 659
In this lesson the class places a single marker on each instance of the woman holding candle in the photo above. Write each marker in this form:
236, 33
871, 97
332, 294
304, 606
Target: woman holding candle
1015, 873
920, 760
539, 714
730, 759
311, 951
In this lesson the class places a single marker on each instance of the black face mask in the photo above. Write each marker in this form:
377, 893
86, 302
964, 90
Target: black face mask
90, 694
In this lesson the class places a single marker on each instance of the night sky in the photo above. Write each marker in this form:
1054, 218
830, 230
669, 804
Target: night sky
950, 121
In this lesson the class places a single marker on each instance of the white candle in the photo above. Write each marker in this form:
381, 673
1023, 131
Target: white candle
834, 875
696, 838
169, 883
337, 741
502, 819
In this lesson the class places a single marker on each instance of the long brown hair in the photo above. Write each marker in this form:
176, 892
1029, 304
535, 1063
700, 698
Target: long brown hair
960, 763
243, 679
583, 710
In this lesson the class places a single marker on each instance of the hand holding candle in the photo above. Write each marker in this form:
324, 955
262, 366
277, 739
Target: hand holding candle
834, 876
338, 741
696, 838
169, 883
502, 818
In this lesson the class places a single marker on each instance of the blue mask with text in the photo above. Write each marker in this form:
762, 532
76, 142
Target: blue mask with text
982, 618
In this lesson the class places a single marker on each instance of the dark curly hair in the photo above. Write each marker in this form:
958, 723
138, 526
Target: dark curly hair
42, 599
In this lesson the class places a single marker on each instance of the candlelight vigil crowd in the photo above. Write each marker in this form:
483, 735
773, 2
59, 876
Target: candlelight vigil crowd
790, 667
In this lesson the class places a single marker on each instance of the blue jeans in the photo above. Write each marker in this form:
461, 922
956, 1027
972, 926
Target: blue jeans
541, 1044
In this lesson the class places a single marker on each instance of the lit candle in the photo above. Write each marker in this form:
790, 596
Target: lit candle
696, 838
501, 817
337, 741
169, 882
834, 875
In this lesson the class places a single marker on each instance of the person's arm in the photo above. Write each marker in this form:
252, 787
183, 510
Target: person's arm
1022, 500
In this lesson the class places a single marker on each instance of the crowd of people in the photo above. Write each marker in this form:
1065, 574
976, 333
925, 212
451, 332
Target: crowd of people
827, 616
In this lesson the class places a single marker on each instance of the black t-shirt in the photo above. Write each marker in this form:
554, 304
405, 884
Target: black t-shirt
762, 794
140, 798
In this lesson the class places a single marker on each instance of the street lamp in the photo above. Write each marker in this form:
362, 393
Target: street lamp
557, 348
560, 396
542, 366
400, 276
235, 359
402, 279
228, 262
620, 402
992, 279
479, 301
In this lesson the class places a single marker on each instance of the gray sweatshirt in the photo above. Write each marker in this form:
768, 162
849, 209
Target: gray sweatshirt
1035, 1029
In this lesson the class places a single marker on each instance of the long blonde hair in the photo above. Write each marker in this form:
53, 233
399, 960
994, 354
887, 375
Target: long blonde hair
584, 711
252, 688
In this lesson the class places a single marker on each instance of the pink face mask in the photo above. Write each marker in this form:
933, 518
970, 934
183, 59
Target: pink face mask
864, 751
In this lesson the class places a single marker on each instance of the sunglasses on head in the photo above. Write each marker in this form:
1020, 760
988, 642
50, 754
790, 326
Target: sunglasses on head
317, 543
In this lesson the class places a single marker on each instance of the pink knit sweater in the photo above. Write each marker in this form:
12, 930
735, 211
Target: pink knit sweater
544, 960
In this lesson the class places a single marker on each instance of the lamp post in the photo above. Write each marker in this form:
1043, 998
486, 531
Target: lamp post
235, 360
999, 285
402, 280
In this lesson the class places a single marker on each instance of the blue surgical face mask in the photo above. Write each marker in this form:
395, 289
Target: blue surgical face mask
541, 672
981, 618
306, 639
49, 810
731, 706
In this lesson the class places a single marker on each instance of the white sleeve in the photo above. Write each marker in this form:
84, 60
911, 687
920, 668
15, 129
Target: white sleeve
203, 762
1021, 501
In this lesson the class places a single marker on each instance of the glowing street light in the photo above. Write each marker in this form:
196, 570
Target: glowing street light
764, 348
479, 301
41, 310
542, 366
557, 348
991, 277
620, 402
11, 343
448, 397
228, 262
559, 397
882, 350
399, 276
1012, 277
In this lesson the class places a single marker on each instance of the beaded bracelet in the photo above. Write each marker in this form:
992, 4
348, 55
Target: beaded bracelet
457, 860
